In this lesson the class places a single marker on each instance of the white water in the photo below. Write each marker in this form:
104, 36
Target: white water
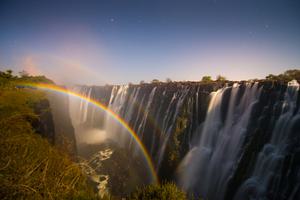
270, 159
215, 153
169, 121
79, 108
116, 104
100, 179
207, 167
124, 103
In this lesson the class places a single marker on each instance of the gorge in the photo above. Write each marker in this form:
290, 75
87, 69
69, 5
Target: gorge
150, 100
217, 140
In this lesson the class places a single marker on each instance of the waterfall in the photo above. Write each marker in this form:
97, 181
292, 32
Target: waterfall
141, 127
219, 141
265, 178
170, 119
152, 111
80, 114
117, 101
207, 167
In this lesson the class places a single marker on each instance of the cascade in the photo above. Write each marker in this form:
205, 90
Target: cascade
264, 181
216, 141
79, 114
211, 162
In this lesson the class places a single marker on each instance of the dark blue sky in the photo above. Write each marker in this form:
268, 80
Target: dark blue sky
122, 41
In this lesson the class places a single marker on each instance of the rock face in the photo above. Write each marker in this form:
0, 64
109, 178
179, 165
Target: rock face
54, 123
44, 124
212, 138
64, 137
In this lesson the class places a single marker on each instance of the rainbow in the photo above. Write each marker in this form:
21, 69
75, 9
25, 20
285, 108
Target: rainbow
121, 121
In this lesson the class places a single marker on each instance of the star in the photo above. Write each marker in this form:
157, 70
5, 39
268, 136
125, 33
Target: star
112, 20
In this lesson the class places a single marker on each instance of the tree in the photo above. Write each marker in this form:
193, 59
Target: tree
24, 73
292, 74
220, 78
155, 81
271, 77
7, 74
206, 79
168, 80
286, 76
142, 82
9, 71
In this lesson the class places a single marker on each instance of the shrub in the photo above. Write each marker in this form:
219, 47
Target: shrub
206, 79
286, 76
221, 78
168, 80
155, 81
167, 191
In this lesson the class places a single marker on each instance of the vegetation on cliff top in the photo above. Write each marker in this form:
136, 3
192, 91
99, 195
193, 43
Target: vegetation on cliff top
286, 76
8, 79
167, 191
30, 167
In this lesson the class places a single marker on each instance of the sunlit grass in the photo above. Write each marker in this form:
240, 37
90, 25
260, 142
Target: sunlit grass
30, 168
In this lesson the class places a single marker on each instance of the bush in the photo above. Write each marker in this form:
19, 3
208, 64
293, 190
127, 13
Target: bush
168, 80
155, 81
206, 79
286, 76
221, 78
167, 191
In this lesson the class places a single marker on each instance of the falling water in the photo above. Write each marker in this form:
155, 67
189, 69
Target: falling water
170, 119
207, 167
117, 101
79, 116
266, 174
79, 109
141, 127
208, 127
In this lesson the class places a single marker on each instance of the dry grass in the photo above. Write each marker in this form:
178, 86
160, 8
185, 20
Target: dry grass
30, 168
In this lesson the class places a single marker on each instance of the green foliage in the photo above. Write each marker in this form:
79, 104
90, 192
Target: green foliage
286, 76
167, 191
221, 78
14, 102
272, 77
35, 79
292, 74
175, 146
7, 80
155, 81
206, 79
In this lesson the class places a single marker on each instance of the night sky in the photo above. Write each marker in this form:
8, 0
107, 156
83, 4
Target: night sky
98, 42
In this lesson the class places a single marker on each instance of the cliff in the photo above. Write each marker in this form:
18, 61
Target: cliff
173, 121
31, 167
64, 137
